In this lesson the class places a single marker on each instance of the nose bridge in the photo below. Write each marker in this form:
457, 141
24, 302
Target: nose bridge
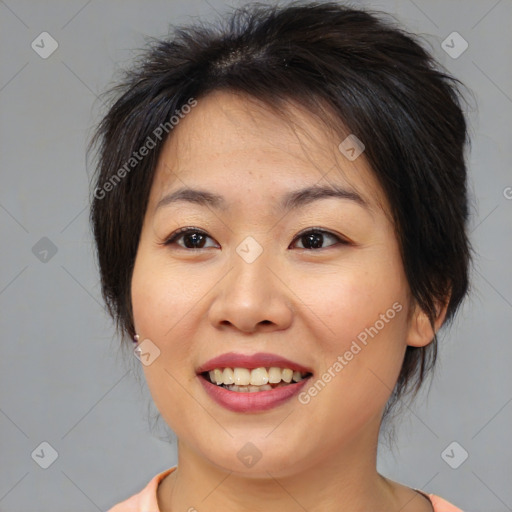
250, 249
252, 275
252, 294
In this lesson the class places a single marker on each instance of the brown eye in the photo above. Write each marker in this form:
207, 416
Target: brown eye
314, 239
192, 238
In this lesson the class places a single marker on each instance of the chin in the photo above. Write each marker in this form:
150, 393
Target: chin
256, 459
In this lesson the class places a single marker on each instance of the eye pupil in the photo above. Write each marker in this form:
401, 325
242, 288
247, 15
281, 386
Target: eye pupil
196, 237
315, 238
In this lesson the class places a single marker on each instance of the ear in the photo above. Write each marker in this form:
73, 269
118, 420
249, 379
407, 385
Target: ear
420, 332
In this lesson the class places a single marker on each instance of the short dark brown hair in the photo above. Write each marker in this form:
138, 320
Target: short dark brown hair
374, 77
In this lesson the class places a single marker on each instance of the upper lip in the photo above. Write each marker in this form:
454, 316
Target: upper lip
250, 361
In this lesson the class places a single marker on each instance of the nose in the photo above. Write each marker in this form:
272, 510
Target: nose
252, 297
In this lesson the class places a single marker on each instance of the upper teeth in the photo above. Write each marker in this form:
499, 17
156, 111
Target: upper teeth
254, 377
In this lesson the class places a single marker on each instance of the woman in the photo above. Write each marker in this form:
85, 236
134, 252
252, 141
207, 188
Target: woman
280, 215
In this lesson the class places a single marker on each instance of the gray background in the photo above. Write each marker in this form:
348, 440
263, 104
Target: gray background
63, 379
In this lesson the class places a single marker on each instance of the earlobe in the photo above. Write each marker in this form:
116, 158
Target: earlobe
421, 332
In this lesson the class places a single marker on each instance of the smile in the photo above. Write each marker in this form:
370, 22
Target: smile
252, 382
250, 401
245, 380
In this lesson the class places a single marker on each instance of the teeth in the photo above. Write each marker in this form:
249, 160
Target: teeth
253, 389
246, 380
274, 375
228, 376
242, 376
287, 375
216, 376
259, 376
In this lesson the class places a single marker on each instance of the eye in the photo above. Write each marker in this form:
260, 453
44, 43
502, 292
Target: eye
193, 238
314, 238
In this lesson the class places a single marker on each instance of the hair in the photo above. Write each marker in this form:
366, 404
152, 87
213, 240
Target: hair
362, 70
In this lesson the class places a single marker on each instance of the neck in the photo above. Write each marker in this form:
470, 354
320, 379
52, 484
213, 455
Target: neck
343, 480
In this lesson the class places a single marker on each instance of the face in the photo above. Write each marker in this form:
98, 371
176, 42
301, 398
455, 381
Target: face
315, 284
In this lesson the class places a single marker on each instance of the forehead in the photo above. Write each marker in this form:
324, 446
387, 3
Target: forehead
232, 142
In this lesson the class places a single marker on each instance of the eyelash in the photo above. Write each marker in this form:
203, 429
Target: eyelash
188, 230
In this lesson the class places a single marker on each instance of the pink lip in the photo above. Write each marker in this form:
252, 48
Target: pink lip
259, 360
251, 402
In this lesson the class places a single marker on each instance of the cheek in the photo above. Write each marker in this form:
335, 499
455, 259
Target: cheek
353, 297
162, 306
363, 319
166, 303
162, 296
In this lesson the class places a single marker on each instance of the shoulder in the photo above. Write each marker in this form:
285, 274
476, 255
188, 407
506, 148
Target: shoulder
146, 499
437, 504
441, 505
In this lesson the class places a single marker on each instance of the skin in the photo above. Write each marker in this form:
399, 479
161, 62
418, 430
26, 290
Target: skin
305, 304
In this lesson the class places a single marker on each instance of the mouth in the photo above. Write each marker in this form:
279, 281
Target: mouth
247, 380
252, 383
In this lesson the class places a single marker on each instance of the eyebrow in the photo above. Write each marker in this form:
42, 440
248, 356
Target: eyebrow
290, 201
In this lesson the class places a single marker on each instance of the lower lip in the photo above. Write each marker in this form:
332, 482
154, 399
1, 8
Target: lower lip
251, 402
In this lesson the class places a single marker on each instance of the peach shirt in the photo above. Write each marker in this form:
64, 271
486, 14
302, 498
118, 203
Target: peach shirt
145, 500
